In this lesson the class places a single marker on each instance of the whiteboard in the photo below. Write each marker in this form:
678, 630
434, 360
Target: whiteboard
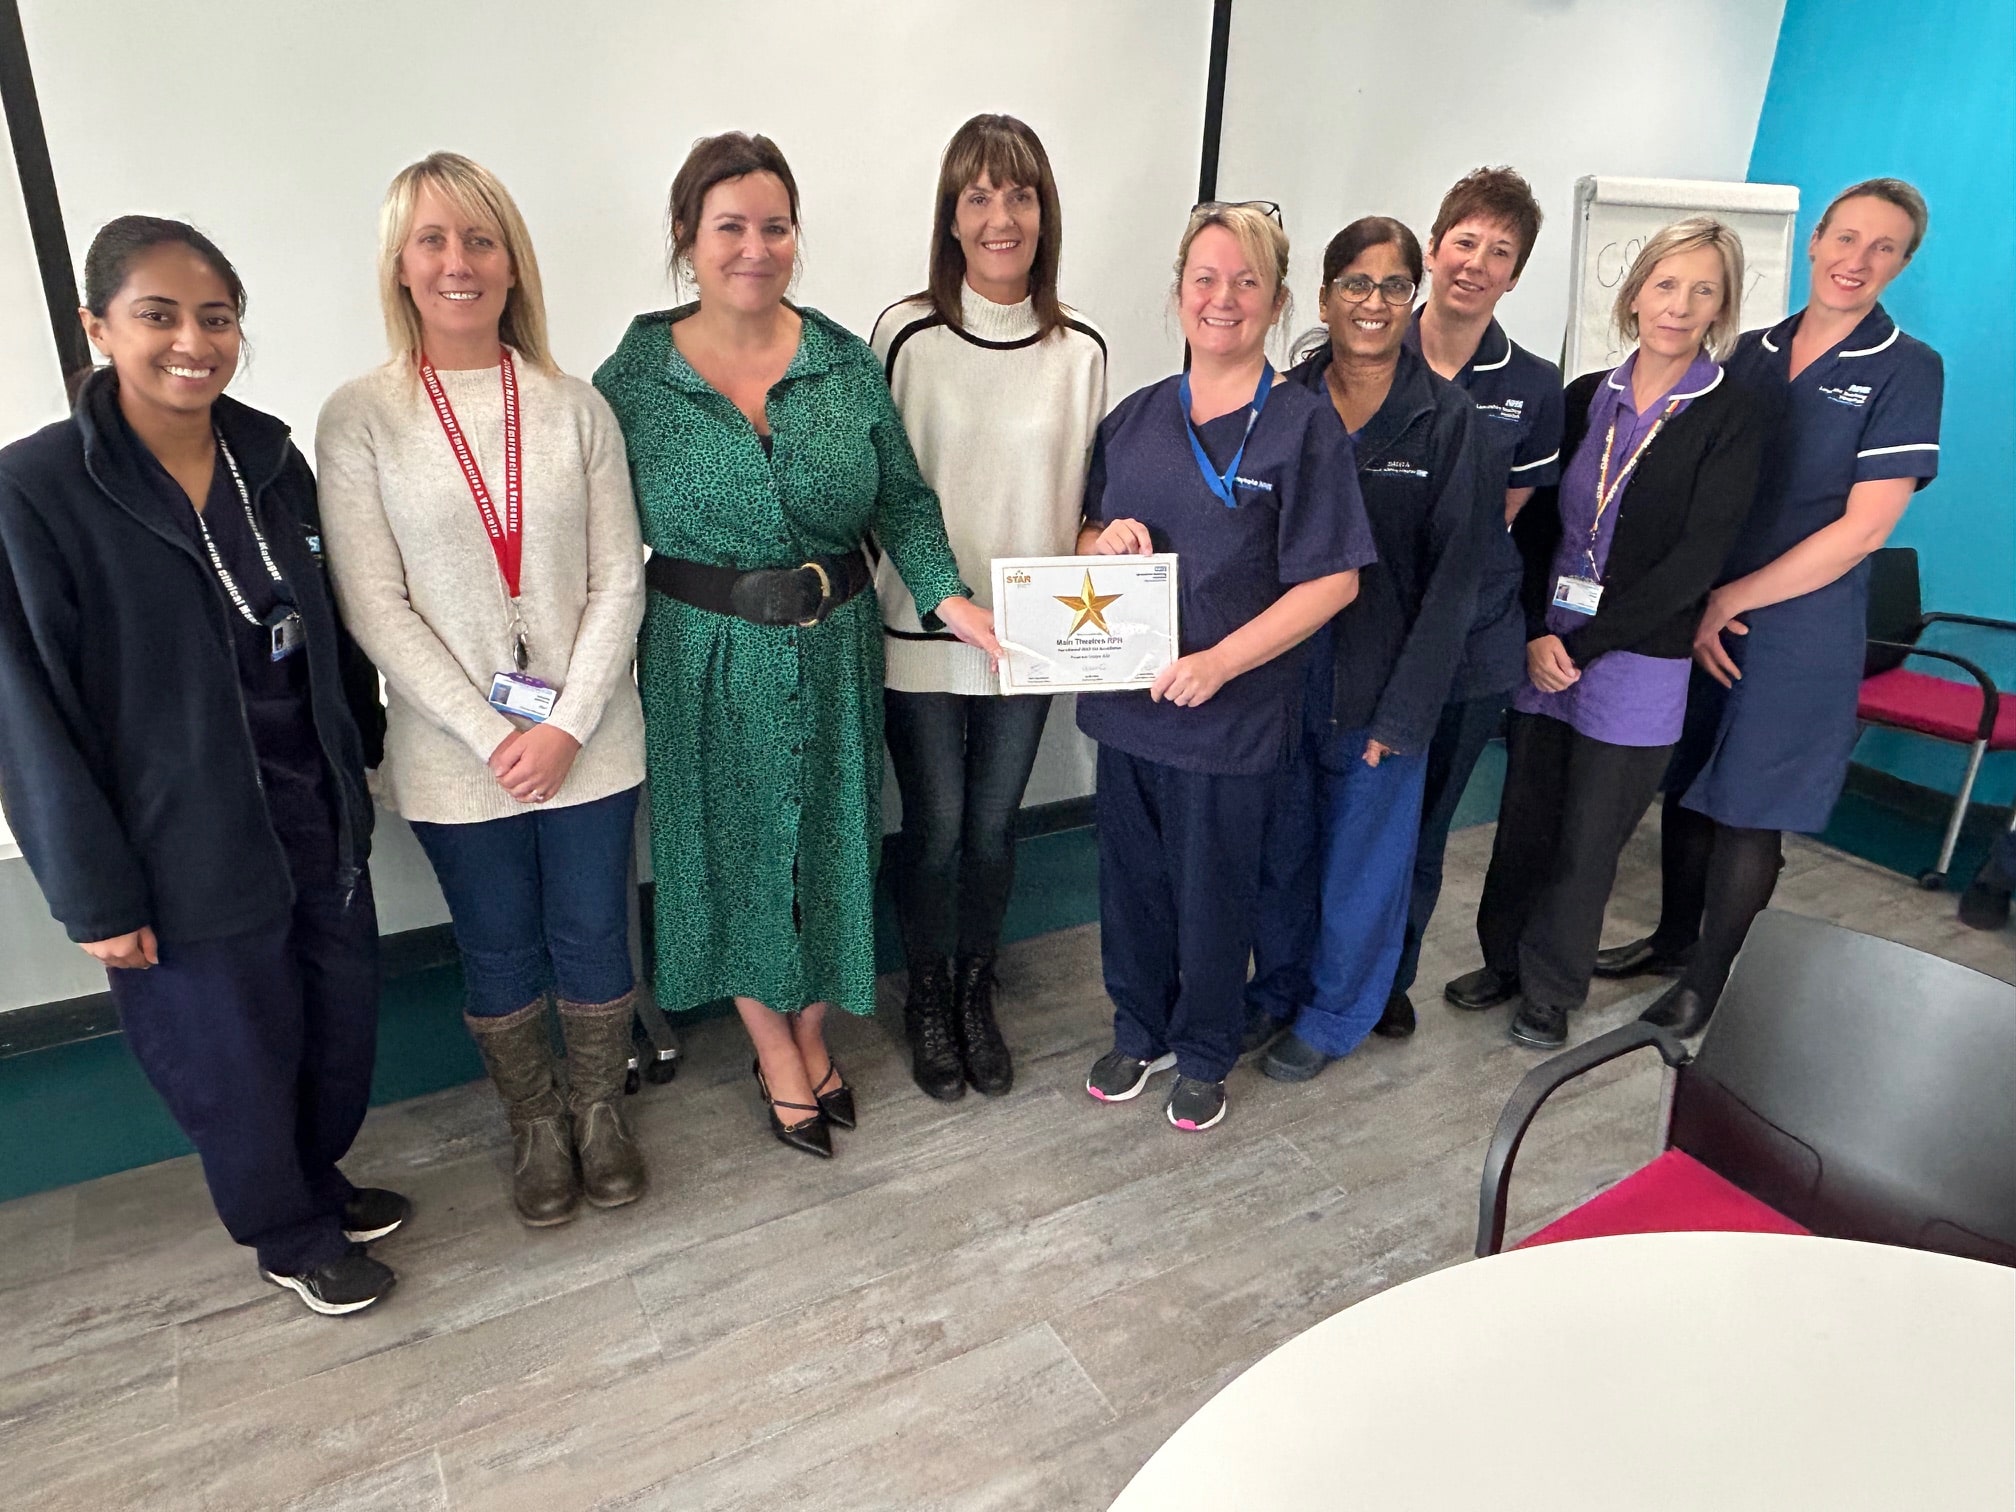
1614, 217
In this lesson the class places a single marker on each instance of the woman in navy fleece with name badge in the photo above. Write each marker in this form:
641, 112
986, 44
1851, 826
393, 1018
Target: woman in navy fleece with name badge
1253, 487
1333, 910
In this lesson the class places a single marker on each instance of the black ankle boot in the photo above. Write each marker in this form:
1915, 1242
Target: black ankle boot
981, 1047
927, 1024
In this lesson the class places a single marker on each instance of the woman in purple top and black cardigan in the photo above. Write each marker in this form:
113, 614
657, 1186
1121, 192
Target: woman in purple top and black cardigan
1665, 451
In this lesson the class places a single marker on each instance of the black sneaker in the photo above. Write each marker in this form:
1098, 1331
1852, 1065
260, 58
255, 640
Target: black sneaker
1397, 1022
372, 1213
1116, 1077
1539, 1027
1196, 1105
346, 1285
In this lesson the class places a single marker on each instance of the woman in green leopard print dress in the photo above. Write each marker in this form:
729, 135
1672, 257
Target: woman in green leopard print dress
764, 742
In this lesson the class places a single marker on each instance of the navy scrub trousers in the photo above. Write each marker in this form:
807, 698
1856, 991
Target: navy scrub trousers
261, 1044
1179, 877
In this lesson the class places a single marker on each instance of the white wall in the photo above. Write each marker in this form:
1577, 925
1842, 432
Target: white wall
1377, 106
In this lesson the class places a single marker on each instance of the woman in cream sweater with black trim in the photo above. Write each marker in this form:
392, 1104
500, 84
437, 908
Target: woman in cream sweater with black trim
1000, 388
484, 547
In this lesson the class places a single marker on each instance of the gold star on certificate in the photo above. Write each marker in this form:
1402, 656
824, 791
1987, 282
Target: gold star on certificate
1088, 607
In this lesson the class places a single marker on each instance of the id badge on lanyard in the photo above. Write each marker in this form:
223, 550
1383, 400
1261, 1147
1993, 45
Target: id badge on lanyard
1583, 593
506, 530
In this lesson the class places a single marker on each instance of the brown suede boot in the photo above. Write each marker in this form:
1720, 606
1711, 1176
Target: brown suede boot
598, 1060
517, 1050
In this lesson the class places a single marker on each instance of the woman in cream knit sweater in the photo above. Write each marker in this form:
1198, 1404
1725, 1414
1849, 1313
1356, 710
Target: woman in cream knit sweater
1001, 388
484, 547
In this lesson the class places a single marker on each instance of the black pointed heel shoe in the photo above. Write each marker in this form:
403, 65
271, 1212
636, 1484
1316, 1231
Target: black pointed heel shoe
809, 1134
838, 1104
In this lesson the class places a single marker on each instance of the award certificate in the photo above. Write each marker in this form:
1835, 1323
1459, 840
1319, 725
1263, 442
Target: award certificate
1084, 624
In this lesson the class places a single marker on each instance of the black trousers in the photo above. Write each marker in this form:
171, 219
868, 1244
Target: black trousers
1570, 804
1464, 730
962, 763
262, 1045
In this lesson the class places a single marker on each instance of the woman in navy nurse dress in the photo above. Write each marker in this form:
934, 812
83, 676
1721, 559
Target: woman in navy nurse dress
1778, 659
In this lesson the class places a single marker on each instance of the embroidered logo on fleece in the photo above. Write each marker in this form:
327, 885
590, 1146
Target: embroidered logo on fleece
1394, 467
1855, 395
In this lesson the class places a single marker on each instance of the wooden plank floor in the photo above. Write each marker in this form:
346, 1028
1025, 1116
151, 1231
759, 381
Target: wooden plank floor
998, 1304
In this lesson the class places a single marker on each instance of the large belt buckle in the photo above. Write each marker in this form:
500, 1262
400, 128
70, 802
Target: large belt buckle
825, 594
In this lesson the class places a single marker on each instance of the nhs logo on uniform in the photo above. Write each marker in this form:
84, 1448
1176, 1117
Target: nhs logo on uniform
1395, 467
1510, 409
1260, 483
1855, 395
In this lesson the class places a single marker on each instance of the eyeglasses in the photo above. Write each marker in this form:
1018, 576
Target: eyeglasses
1358, 288
1266, 207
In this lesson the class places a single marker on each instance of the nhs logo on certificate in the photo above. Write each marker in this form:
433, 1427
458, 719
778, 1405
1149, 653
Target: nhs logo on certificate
1084, 624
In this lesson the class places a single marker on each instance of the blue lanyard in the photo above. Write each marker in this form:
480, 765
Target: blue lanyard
1219, 483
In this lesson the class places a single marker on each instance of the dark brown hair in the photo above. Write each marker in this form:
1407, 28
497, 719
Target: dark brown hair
1008, 152
715, 160
119, 244
1891, 191
1492, 194
1361, 236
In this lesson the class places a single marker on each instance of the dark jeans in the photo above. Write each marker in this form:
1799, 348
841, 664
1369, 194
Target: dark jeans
1180, 856
539, 901
1461, 735
962, 763
261, 1044
1570, 804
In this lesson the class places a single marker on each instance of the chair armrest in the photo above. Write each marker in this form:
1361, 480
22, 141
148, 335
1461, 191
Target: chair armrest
1991, 696
1966, 619
1541, 1083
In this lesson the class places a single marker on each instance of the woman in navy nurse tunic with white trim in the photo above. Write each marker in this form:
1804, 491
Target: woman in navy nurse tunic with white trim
1771, 710
1253, 487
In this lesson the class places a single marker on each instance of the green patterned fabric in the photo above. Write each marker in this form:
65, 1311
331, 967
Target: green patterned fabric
764, 744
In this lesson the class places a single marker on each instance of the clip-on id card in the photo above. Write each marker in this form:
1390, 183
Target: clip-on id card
288, 636
522, 694
1578, 595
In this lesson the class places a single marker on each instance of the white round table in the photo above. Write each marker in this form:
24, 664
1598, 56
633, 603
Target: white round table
1704, 1372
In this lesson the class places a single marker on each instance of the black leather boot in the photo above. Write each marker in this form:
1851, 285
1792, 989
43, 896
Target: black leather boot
927, 1024
985, 1053
598, 1060
518, 1052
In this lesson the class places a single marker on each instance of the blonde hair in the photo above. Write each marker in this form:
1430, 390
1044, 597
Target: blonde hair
1683, 236
1259, 236
476, 194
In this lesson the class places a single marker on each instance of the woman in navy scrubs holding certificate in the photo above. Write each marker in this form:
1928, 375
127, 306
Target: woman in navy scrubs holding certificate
1253, 487
1771, 712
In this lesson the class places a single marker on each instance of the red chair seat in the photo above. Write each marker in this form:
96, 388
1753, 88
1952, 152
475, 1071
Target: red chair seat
1675, 1194
1907, 700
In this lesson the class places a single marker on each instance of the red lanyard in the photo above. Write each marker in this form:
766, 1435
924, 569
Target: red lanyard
507, 537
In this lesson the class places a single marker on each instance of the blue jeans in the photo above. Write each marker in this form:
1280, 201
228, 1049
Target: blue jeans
539, 901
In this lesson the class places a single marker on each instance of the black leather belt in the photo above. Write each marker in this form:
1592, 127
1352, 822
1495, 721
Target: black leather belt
802, 595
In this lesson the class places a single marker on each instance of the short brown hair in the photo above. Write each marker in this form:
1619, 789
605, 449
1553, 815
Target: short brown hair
715, 160
1689, 235
1892, 191
1008, 152
1492, 194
